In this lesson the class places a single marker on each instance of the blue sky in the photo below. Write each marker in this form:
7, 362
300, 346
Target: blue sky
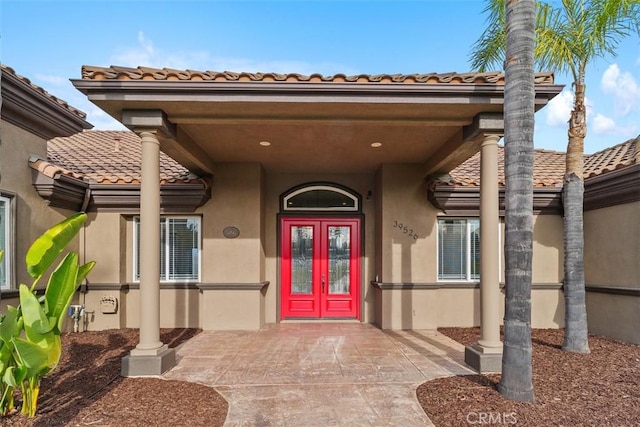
49, 41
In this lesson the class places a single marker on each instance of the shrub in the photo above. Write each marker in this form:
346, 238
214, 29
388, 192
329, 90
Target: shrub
30, 345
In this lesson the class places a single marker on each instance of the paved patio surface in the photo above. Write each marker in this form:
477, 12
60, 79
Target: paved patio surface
319, 374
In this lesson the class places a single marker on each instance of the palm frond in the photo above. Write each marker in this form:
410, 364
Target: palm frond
489, 50
609, 21
554, 49
568, 36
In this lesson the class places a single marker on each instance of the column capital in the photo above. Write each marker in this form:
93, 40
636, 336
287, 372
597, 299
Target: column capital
490, 139
151, 121
149, 136
484, 123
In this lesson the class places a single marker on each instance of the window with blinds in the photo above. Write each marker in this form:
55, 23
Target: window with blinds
458, 249
179, 249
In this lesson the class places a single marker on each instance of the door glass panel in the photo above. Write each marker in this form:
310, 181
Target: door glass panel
339, 257
301, 259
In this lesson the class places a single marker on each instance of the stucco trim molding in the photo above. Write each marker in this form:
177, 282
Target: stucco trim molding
466, 200
409, 286
133, 286
548, 286
10, 293
61, 191
36, 111
166, 285
612, 188
104, 287
125, 198
67, 192
613, 290
232, 286
453, 285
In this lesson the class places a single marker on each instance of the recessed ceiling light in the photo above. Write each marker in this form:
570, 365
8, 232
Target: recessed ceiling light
265, 143
376, 144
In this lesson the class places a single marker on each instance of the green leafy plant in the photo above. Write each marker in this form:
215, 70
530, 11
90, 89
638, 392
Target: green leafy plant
30, 345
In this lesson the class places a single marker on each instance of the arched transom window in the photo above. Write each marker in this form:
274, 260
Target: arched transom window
320, 197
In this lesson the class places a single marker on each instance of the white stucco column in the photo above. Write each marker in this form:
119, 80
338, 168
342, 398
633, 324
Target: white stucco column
149, 250
489, 247
486, 354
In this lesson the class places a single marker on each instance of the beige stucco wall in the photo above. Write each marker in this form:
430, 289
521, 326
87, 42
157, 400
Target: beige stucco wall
612, 246
548, 253
612, 259
105, 242
433, 308
230, 309
236, 200
614, 316
33, 215
247, 197
404, 258
408, 260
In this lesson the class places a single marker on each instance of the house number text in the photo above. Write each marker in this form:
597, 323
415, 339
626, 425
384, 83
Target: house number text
405, 229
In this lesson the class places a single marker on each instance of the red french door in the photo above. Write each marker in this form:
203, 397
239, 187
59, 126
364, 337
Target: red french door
320, 268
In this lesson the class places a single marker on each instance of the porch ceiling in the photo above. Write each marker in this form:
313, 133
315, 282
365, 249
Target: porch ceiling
322, 127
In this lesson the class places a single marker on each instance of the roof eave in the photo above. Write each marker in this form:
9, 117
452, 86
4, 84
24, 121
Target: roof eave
33, 111
150, 90
612, 188
465, 201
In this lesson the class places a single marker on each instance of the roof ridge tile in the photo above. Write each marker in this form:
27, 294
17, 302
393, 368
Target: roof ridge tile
115, 72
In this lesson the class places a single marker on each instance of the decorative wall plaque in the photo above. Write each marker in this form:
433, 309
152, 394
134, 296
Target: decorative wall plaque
231, 232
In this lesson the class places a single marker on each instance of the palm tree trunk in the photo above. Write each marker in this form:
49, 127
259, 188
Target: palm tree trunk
517, 376
576, 332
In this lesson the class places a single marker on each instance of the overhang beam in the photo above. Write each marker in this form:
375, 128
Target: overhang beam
173, 141
463, 144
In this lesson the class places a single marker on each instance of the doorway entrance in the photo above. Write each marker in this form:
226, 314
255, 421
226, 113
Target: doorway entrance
320, 268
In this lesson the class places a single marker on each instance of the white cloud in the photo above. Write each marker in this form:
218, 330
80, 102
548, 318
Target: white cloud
146, 54
145, 43
559, 109
623, 87
603, 125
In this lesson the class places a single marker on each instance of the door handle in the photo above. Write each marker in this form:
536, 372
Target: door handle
323, 283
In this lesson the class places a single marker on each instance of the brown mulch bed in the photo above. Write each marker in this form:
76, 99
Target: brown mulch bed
597, 389
87, 389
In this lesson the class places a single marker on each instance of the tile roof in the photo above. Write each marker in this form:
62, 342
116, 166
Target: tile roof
107, 157
145, 73
50, 169
613, 158
39, 89
548, 170
549, 166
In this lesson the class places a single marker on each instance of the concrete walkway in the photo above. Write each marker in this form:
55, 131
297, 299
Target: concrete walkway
319, 374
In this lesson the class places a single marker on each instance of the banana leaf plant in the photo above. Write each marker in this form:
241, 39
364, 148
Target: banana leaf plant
30, 345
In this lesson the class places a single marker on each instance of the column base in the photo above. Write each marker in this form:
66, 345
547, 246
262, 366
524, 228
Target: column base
482, 361
146, 366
